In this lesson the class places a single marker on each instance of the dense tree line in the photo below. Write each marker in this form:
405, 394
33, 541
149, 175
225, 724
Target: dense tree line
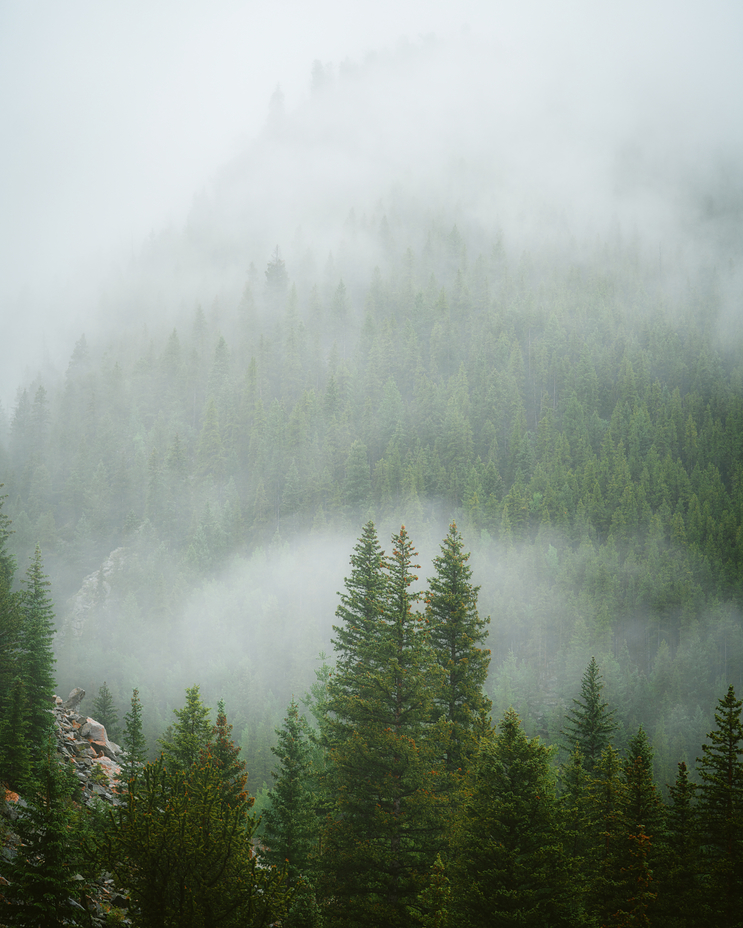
401, 804
581, 422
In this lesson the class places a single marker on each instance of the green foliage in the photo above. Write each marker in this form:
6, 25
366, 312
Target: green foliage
383, 835
721, 811
290, 822
185, 740
104, 711
457, 635
134, 739
590, 724
508, 865
42, 874
184, 851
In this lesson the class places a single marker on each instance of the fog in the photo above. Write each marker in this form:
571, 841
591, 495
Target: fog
570, 117
154, 158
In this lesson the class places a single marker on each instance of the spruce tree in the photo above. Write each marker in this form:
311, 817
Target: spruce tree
720, 770
38, 654
590, 724
42, 875
457, 635
227, 758
680, 868
104, 711
185, 853
289, 822
190, 734
508, 864
134, 739
383, 836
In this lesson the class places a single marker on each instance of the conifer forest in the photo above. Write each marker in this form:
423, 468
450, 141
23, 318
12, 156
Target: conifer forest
398, 545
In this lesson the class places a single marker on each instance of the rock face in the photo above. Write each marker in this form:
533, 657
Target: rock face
83, 742
93, 595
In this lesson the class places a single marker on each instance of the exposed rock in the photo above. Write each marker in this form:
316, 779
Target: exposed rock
74, 699
93, 595
83, 743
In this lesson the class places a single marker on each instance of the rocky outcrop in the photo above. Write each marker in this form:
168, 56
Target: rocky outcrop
83, 741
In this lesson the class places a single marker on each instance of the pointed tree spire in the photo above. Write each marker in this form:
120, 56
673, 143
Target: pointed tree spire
457, 637
590, 724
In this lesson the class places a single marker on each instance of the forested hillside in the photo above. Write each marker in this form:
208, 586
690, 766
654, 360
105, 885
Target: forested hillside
413, 456
582, 422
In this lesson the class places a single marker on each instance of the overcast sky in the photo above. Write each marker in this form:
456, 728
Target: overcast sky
114, 115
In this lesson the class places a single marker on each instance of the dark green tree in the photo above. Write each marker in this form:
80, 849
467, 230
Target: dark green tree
185, 854
290, 822
457, 635
680, 870
38, 653
383, 837
104, 711
508, 863
720, 771
590, 724
134, 739
185, 740
42, 875
227, 757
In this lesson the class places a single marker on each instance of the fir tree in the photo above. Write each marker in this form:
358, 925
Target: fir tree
508, 866
227, 758
590, 724
680, 869
186, 855
38, 654
290, 823
104, 711
721, 810
457, 634
42, 875
384, 835
134, 739
186, 739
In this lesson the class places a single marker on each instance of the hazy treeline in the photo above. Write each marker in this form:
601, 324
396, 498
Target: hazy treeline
583, 424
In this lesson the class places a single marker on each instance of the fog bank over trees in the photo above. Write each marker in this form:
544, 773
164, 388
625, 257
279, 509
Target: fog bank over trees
488, 275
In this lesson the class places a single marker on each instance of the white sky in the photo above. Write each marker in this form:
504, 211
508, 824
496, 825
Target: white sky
112, 116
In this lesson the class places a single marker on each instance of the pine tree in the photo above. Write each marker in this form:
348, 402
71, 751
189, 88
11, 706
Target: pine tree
185, 740
15, 756
721, 811
591, 723
134, 740
290, 823
186, 855
104, 711
227, 757
508, 865
383, 836
38, 654
680, 868
457, 634
42, 875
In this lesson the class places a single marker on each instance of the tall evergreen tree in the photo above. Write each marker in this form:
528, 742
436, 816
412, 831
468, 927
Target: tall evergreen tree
590, 724
680, 870
508, 864
134, 739
721, 811
104, 711
290, 822
38, 653
185, 740
457, 635
383, 838
42, 874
